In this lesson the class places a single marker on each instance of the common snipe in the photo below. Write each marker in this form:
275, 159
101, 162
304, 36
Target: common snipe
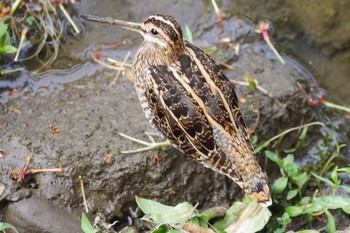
188, 100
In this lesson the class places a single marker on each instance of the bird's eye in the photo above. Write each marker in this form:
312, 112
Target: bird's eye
154, 31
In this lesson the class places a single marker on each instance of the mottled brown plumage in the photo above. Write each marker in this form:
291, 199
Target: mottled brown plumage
188, 100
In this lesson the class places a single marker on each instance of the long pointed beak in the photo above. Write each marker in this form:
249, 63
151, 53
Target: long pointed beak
127, 25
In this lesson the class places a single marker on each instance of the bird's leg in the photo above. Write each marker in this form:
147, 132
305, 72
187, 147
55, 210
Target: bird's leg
152, 145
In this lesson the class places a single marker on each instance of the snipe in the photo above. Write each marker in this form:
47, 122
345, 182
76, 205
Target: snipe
189, 101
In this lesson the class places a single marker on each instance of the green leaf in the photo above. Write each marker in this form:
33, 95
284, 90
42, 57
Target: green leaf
304, 200
334, 175
164, 214
8, 49
346, 188
280, 185
251, 82
3, 28
330, 223
290, 166
231, 216
161, 229
294, 211
254, 139
214, 212
251, 219
344, 169
308, 231
164, 229
313, 207
346, 209
4, 226
274, 157
288, 159
303, 133
262, 146
291, 194
6, 39
301, 179
188, 34
327, 181
280, 230
284, 219
209, 49
334, 202
86, 225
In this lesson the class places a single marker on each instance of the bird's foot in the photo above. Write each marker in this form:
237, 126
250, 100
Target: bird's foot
152, 145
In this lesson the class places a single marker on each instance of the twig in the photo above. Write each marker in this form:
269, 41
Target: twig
336, 106
76, 29
218, 14
32, 171
260, 88
266, 143
313, 101
263, 28
23, 36
83, 192
122, 65
5, 72
108, 65
15, 6
21, 174
337, 147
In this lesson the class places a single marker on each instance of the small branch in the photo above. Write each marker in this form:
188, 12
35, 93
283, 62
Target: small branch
266, 143
76, 29
33, 171
23, 36
320, 100
21, 174
121, 65
336, 106
15, 6
263, 29
218, 14
83, 192
260, 88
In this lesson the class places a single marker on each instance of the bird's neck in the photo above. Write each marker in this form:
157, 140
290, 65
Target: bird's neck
150, 54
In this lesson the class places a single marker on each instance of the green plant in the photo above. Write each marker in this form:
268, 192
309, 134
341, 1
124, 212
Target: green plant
298, 191
4, 226
301, 192
86, 225
246, 216
5, 44
291, 178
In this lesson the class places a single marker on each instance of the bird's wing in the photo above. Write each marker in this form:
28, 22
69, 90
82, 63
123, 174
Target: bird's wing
224, 109
195, 107
181, 120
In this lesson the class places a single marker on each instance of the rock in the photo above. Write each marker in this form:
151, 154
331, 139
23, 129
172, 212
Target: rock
38, 215
88, 113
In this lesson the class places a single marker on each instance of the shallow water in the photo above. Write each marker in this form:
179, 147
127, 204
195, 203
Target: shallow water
310, 31
315, 32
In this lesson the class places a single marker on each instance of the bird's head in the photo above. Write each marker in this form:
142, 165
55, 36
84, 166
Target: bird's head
161, 33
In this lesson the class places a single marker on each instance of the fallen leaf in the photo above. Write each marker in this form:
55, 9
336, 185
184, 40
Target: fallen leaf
16, 110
